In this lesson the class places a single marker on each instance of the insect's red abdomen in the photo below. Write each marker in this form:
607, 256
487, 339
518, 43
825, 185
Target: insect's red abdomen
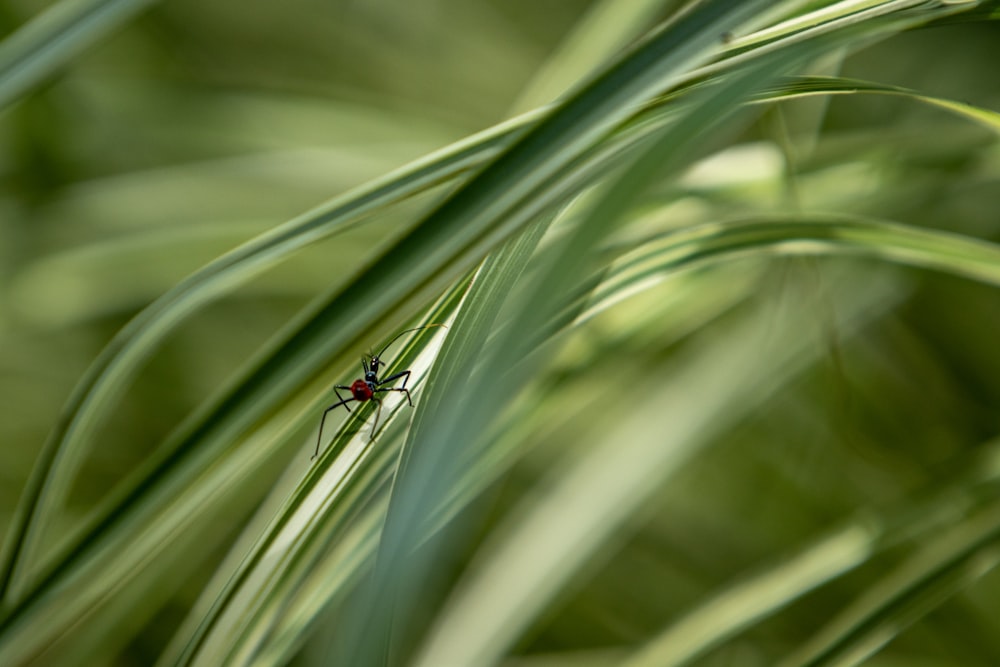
362, 392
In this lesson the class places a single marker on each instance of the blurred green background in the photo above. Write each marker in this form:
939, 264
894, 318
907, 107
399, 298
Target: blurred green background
197, 126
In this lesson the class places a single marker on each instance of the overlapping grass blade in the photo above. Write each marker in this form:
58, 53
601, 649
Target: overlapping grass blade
821, 234
814, 85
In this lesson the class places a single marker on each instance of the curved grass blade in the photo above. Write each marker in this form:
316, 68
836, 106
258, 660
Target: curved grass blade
805, 86
954, 254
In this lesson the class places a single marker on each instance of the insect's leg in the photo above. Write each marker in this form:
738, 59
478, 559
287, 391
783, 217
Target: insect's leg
392, 378
342, 399
319, 438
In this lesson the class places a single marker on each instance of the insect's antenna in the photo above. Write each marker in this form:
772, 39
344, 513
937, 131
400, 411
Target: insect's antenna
396, 337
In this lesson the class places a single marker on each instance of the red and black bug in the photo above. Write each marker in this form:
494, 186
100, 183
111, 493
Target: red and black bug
363, 390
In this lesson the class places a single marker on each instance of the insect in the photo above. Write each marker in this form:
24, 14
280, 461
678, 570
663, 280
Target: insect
363, 390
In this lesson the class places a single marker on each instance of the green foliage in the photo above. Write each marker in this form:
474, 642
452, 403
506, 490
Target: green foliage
717, 379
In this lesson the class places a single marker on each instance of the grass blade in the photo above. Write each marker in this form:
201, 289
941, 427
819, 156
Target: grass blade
52, 39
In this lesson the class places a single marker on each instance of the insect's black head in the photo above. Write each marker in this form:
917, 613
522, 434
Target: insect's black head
372, 368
